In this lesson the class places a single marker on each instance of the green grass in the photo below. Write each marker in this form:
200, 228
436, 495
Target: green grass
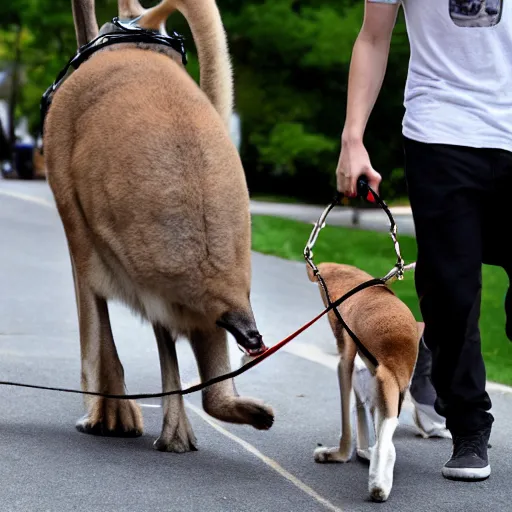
374, 253
399, 201
269, 198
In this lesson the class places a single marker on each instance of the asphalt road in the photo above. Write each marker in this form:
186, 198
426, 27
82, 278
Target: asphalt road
46, 465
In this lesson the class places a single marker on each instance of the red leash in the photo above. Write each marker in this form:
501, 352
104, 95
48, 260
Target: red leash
198, 387
397, 272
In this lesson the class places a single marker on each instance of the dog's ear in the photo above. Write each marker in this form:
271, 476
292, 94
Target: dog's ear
130, 9
311, 275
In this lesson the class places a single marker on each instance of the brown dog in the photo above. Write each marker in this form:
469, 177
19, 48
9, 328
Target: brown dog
388, 329
154, 203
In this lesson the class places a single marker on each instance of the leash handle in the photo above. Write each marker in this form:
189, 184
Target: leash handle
365, 191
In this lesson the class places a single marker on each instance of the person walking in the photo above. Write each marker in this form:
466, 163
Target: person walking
457, 136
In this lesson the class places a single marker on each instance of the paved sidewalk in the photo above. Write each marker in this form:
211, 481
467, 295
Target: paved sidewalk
373, 219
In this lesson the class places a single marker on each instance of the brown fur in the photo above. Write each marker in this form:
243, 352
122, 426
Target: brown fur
153, 199
388, 329
383, 323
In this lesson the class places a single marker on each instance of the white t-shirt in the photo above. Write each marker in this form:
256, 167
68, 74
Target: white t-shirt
459, 84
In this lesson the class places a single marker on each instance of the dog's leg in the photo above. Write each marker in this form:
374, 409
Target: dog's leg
177, 435
364, 423
221, 400
345, 451
364, 390
383, 455
101, 369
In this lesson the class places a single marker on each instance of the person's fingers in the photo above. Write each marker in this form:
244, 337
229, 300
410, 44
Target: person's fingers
343, 178
374, 179
353, 185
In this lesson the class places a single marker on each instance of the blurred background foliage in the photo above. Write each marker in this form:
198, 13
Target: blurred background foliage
291, 60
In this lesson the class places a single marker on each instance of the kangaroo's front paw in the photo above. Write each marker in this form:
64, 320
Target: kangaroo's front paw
248, 411
183, 440
114, 418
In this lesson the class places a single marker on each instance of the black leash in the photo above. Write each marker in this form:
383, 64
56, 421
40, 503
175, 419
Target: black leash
130, 33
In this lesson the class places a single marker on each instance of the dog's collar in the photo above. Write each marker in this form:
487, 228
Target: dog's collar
130, 32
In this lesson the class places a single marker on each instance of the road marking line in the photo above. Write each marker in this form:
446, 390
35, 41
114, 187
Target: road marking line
312, 353
253, 450
266, 460
316, 355
25, 197
303, 350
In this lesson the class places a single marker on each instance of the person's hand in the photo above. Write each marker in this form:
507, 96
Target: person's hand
353, 163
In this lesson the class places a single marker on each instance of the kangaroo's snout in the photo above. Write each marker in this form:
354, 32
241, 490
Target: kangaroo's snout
243, 327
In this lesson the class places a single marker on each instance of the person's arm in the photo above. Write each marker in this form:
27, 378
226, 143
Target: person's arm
366, 74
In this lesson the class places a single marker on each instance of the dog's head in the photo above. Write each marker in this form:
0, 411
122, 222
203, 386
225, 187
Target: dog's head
339, 278
330, 271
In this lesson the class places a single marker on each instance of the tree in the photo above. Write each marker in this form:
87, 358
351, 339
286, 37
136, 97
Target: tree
38, 37
290, 59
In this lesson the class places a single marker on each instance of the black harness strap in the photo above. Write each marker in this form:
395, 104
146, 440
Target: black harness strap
130, 33
359, 344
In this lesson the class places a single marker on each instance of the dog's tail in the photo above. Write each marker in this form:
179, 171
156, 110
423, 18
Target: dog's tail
205, 22
390, 392
84, 18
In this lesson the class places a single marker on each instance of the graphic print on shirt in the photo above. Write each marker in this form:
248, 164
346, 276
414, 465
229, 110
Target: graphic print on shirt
476, 13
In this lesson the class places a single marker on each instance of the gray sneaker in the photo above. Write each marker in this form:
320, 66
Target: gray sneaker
428, 422
469, 460
423, 397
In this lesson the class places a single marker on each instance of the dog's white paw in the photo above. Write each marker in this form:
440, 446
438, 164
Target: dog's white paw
380, 483
323, 454
379, 493
382, 464
365, 454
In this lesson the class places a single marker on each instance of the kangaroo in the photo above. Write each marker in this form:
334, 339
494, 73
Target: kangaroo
154, 204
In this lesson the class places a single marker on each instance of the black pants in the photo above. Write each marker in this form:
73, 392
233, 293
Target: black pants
461, 204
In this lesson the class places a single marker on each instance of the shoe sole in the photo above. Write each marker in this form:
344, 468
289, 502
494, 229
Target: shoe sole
467, 474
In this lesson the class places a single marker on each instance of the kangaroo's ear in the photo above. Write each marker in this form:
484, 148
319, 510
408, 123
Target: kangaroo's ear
84, 18
156, 17
129, 9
